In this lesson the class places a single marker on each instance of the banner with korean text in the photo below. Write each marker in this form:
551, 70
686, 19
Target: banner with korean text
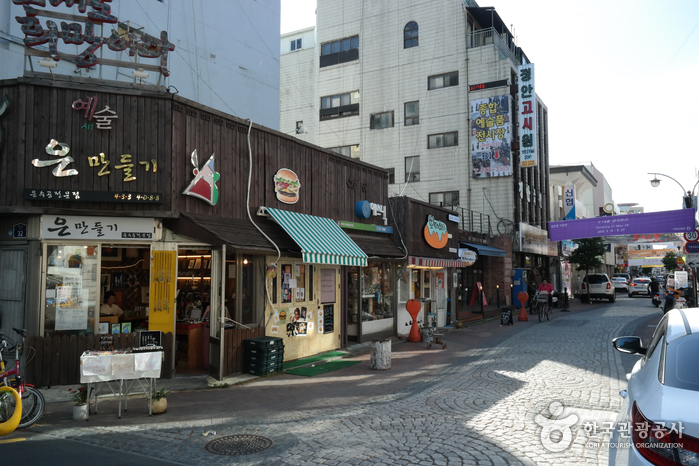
673, 221
569, 202
491, 137
527, 116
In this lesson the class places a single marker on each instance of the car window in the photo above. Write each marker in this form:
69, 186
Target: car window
682, 363
597, 279
657, 336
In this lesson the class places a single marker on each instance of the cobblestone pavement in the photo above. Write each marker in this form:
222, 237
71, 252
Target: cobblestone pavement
490, 406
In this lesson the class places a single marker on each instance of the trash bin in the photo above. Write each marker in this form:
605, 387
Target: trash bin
380, 356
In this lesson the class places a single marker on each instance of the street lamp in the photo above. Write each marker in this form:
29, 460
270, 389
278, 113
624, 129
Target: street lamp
688, 198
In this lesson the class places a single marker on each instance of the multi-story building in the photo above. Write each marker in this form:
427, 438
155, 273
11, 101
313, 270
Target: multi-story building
429, 91
223, 55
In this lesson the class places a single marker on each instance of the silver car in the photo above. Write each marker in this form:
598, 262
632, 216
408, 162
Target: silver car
620, 284
639, 286
659, 419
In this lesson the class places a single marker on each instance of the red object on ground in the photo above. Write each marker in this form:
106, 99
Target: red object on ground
413, 306
523, 297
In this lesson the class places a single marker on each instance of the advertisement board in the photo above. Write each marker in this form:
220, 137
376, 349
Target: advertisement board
491, 137
527, 116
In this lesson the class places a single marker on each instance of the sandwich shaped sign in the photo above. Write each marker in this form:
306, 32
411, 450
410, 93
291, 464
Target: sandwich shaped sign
287, 185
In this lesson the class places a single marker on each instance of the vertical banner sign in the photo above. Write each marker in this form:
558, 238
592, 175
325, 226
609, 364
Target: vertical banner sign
569, 202
527, 116
163, 280
491, 137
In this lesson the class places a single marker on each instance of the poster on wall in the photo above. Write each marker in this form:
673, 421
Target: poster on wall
320, 321
327, 285
328, 318
491, 137
71, 305
299, 322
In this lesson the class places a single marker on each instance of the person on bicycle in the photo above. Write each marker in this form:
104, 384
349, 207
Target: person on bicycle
547, 287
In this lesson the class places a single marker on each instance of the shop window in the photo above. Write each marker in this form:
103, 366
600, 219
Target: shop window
426, 284
415, 288
377, 291
404, 285
353, 296
296, 283
71, 289
286, 281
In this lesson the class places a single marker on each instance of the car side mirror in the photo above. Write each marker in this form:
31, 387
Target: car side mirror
629, 345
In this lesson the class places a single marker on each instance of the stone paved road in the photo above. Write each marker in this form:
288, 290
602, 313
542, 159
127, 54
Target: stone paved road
485, 406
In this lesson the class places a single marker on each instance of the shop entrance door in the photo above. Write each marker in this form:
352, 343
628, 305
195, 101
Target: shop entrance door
13, 270
440, 294
218, 314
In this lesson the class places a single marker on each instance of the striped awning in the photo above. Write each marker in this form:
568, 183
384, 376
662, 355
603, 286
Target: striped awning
429, 262
321, 240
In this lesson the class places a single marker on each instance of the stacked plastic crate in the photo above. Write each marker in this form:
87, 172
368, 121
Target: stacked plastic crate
263, 355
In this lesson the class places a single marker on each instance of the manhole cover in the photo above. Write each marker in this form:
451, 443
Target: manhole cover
238, 445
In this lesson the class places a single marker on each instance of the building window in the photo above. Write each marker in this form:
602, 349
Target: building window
347, 151
381, 120
412, 113
435, 141
339, 51
391, 175
410, 35
443, 80
300, 129
295, 44
340, 105
412, 168
448, 198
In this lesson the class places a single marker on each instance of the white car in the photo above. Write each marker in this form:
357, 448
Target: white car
659, 419
620, 284
600, 288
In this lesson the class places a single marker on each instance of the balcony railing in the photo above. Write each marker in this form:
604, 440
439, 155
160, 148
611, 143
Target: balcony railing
490, 36
475, 222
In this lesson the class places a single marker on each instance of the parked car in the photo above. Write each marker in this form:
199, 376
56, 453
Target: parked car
639, 286
659, 417
600, 288
620, 284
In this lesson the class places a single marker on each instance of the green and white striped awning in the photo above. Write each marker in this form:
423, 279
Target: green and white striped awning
322, 241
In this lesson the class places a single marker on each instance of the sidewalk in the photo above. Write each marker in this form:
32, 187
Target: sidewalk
201, 401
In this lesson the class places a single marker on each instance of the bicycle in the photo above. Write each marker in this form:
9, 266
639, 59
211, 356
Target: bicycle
33, 401
542, 301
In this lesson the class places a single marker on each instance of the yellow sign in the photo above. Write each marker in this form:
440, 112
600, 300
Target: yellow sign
680, 260
634, 254
163, 281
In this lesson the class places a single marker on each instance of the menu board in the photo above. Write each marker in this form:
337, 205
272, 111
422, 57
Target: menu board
327, 285
328, 318
150, 337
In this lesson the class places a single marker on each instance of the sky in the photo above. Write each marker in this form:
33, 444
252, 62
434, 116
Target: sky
619, 80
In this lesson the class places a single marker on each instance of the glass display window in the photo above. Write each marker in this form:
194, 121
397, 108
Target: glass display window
404, 285
377, 291
295, 283
426, 283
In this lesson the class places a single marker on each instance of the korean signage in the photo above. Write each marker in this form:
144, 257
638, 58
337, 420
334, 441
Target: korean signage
569, 202
533, 239
527, 116
488, 85
96, 228
365, 227
121, 197
366, 209
468, 256
103, 118
491, 137
72, 34
638, 253
436, 233
673, 221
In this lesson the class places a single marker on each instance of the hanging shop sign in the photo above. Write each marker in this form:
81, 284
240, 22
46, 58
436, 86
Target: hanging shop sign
103, 118
287, 185
365, 227
491, 137
120, 197
73, 34
366, 209
468, 256
203, 185
569, 202
436, 233
527, 116
533, 239
84, 227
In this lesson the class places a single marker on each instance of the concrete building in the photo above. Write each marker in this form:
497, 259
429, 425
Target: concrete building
429, 91
221, 54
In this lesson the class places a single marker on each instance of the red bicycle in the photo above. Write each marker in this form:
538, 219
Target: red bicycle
33, 402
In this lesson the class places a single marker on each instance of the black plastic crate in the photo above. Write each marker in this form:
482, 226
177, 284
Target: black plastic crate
262, 371
263, 365
263, 342
264, 358
264, 351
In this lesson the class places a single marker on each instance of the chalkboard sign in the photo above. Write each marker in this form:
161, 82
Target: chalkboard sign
150, 337
506, 317
329, 318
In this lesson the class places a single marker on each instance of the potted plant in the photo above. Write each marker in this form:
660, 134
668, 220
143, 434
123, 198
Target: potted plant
80, 396
159, 401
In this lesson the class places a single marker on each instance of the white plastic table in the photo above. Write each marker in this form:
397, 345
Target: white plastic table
122, 370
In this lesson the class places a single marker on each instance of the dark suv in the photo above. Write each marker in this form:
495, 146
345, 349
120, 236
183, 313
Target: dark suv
600, 288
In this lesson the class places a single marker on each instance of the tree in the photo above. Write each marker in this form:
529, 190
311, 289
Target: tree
670, 261
588, 256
